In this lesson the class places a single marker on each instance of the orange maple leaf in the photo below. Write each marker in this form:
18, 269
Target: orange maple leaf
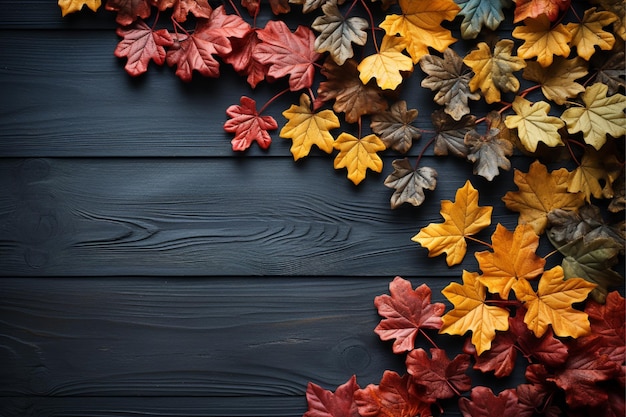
535, 8
462, 218
357, 155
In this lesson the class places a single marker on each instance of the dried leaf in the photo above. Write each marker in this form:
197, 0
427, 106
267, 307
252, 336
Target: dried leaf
609, 68
323, 403
73, 6
533, 124
589, 33
248, 125
479, 13
542, 40
488, 152
450, 137
387, 65
357, 155
558, 81
536, 8
394, 127
410, 183
595, 174
440, 377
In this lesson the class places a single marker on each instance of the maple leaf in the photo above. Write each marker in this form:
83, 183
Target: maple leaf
536, 8
288, 54
307, 128
513, 258
448, 76
394, 127
595, 174
337, 34
609, 68
607, 319
488, 152
484, 403
542, 40
410, 183
141, 44
558, 81
440, 377
539, 193
420, 25
472, 313
533, 124
129, 10
588, 34
600, 116
357, 155
450, 137
278, 6
394, 396
551, 304
387, 64
493, 73
243, 61
479, 13
248, 125
406, 312
72, 6
312, 5
351, 96
181, 8
462, 218
323, 403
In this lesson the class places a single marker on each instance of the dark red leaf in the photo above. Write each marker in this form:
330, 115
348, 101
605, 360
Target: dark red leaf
248, 125
141, 44
395, 396
483, 403
607, 320
244, 62
323, 403
181, 8
129, 10
440, 377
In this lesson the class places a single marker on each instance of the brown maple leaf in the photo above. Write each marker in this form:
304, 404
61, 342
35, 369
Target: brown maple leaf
488, 152
484, 403
394, 396
409, 183
129, 10
439, 376
323, 403
181, 8
450, 137
394, 127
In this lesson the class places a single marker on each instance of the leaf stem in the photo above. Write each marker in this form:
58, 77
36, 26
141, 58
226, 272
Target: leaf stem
482, 242
271, 100
372, 25
419, 158
550, 254
431, 341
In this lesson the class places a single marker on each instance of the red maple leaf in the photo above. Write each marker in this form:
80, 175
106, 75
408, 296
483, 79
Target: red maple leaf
129, 10
140, 44
278, 6
324, 403
533, 397
535, 8
395, 396
406, 312
440, 377
181, 8
483, 403
244, 62
288, 54
248, 125
607, 320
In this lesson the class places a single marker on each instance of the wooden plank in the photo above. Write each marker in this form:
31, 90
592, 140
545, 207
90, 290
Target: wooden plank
224, 216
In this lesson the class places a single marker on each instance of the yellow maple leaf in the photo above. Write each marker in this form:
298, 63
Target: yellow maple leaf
600, 116
420, 25
386, 65
558, 81
493, 73
72, 6
533, 124
595, 175
357, 155
542, 40
307, 128
588, 34
471, 313
539, 193
462, 218
552, 304
513, 258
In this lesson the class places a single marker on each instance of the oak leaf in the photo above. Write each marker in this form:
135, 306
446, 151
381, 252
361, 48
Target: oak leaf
337, 34
394, 126
248, 125
533, 124
409, 183
558, 81
493, 73
306, 128
129, 10
420, 25
479, 13
386, 65
439, 376
542, 40
551, 305
141, 44
595, 174
539, 193
535, 8
406, 312
73, 6
472, 313
488, 152
181, 8
450, 134
484, 403
394, 396
589, 33
323, 403
600, 116
357, 155
462, 218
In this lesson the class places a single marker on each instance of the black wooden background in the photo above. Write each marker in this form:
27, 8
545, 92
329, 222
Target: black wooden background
149, 270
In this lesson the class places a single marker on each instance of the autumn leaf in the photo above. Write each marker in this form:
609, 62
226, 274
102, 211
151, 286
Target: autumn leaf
462, 218
394, 127
558, 81
607, 319
513, 258
539, 193
533, 124
406, 312
129, 10
484, 403
493, 73
450, 134
472, 313
73, 6
595, 174
337, 34
479, 13
141, 44
409, 183
311, 5
248, 125
387, 64
589, 33
551, 305
420, 25
488, 152
181, 8
277, 6
323, 403
600, 116
440, 377
357, 155
535, 8
306, 128
609, 69
449, 77
542, 40
243, 61
394, 396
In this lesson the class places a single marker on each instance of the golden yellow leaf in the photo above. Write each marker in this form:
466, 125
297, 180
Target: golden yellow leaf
357, 155
539, 193
386, 65
542, 40
588, 34
462, 218
552, 304
558, 81
471, 313
595, 175
307, 128
533, 124
72, 6
420, 25
493, 73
